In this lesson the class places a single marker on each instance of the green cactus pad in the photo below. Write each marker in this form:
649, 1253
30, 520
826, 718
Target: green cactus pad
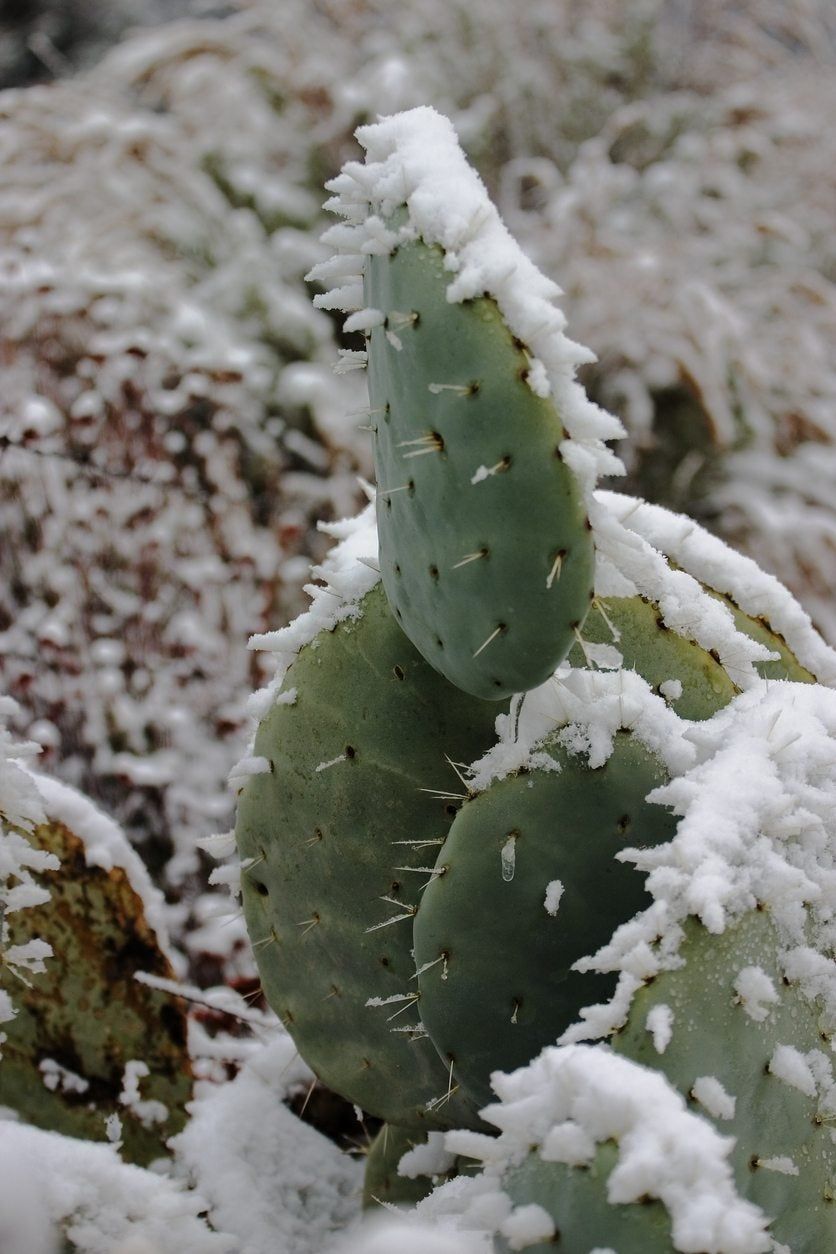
82, 1020
486, 554
333, 839
783, 1158
382, 1186
636, 627
494, 964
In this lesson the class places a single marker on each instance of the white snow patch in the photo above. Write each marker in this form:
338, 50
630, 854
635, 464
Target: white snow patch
526, 1225
756, 827
408, 1234
47, 1179
349, 571
756, 992
709, 1092
783, 1165
659, 1024
671, 689
554, 892
790, 1065
267, 1178
429, 1159
716, 564
147, 1112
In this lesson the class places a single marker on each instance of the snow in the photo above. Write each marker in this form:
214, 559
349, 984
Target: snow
755, 827
554, 892
99, 1200
711, 561
790, 1065
709, 1092
348, 572
659, 1024
268, 1179
756, 992
429, 1159
664, 1150
387, 1234
21, 810
527, 1225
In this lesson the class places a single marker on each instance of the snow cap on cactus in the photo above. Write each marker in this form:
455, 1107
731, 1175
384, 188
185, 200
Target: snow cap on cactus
485, 447
414, 163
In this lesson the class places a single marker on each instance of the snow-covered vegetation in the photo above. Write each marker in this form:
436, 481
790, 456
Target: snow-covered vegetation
176, 447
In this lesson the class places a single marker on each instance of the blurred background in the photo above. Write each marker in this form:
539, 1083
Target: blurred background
171, 429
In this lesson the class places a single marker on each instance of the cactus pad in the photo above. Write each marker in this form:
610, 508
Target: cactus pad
486, 555
493, 950
337, 839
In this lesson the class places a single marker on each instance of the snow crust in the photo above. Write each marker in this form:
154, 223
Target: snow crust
268, 1179
414, 163
664, 1150
716, 564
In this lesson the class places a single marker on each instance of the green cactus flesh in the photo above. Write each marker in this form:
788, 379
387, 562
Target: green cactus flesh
494, 966
333, 840
486, 554
382, 1186
784, 1157
82, 1020
636, 628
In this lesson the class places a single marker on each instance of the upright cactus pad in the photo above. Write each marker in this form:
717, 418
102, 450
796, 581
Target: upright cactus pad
90, 1041
486, 553
526, 883
337, 838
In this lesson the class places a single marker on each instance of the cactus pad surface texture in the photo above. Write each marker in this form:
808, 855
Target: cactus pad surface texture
493, 952
486, 553
337, 839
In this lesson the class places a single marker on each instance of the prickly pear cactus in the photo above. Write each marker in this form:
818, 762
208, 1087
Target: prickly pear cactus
337, 838
526, 883
89, 1041
486, 554
622, 1162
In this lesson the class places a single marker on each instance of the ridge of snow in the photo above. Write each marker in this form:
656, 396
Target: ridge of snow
713, 562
